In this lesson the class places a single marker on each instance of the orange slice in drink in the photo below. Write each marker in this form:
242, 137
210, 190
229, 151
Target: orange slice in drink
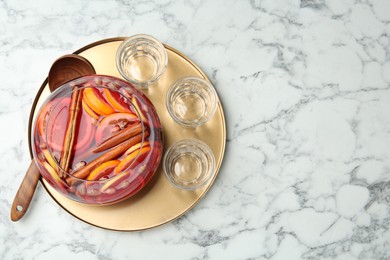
116, 102
97, 103
44, 114
42, 119
106, 127
103, 170
138, 155
136, 147
89, 110
56, 128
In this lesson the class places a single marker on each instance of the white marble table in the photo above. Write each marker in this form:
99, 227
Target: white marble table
306, 92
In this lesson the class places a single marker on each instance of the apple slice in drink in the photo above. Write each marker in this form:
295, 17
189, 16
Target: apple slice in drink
138, 106
137, 155
54, 175
136, 147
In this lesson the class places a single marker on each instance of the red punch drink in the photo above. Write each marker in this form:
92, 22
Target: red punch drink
97, 140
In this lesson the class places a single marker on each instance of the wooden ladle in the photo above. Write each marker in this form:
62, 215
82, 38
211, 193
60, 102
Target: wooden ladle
63, 70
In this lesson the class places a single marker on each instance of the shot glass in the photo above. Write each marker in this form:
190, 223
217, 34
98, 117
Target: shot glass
189, 164
141, 59
191, 101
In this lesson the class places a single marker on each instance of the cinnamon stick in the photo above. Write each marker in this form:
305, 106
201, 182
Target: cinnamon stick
113, 153
74, 112
120, 137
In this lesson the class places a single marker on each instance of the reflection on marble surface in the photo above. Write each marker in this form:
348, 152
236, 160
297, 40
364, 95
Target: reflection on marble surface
306, 92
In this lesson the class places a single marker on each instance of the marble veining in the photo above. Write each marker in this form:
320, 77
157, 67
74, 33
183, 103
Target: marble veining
305, 87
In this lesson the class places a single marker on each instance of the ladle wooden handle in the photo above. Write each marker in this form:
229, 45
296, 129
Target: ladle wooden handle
64, 69
25, 193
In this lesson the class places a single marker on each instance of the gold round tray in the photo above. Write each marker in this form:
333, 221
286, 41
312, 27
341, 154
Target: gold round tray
159, 202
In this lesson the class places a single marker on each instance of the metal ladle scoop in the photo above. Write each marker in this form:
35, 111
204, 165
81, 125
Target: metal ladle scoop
63, 70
